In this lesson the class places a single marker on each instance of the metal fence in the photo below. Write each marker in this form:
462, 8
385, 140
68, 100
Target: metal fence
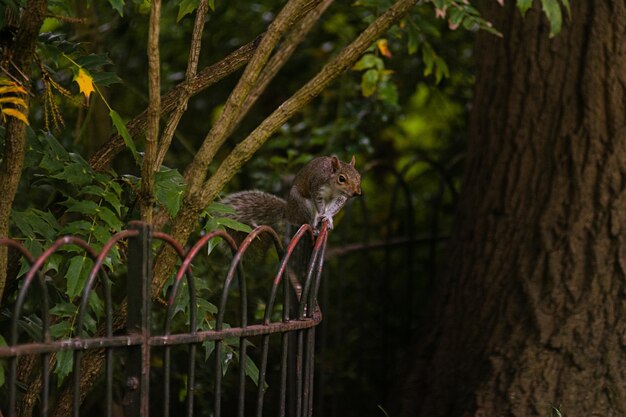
137, 359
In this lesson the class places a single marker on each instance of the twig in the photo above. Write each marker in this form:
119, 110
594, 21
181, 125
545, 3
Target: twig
192, 69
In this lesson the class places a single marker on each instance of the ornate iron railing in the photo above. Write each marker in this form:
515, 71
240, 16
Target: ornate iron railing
131, 348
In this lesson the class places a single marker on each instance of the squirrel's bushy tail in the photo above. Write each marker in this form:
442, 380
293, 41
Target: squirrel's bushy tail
257, 208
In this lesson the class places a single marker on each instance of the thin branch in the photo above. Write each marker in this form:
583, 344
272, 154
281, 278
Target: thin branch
154, 110
192, 69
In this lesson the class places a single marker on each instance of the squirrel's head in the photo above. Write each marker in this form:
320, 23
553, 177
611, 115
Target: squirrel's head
347, 178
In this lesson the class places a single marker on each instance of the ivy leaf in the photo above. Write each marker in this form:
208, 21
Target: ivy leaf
85, 83
121, 129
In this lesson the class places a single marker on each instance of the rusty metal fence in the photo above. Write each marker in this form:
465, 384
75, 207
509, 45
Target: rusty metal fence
135, 353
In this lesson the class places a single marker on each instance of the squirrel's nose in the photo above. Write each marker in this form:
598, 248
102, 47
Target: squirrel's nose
357, 190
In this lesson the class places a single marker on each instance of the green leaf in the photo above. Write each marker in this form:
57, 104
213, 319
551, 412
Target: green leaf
64, 310
212, 5
220, 208
455, 17
109, 218
367, 61
65, 361
77, 274
209, 347
524, 6
33, 222
93, 61
186, 7
96, 304
441, 69
102, 234
388, 92
121, 129
169, 187
118, 5
61, 330
83, 206
205, 306
233, 224
75, 174
369, 82
78, 227
552, 10
251, 370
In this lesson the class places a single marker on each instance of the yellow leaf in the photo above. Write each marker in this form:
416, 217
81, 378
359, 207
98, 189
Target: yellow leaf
383, 47
14, 100
85, 82
15, 113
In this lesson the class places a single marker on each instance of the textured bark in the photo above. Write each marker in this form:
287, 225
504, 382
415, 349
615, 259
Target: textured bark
531, 312
20, 57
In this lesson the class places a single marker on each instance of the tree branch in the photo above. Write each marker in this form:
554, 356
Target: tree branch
101, 160
154, 110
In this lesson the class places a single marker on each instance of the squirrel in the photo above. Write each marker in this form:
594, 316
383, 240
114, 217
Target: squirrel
319, 190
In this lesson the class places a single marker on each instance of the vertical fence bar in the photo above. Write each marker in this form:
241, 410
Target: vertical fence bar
138, 321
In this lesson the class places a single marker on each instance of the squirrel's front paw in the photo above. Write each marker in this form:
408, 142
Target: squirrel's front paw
330, 222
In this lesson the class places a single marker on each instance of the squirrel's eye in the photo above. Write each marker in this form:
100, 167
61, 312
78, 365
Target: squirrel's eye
342, 179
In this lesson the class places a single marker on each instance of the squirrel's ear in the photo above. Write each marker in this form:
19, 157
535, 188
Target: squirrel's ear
334, 162
353, 161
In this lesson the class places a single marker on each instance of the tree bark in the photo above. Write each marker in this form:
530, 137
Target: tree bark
15, 136
530, 312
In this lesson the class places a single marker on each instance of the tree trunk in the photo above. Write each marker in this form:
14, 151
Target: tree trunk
530, 314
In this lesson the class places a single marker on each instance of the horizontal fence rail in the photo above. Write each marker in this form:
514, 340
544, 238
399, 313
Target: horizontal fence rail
130, 358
